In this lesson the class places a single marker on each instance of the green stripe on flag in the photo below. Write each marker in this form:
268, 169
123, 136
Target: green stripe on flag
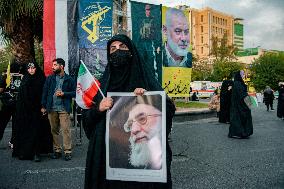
82, 70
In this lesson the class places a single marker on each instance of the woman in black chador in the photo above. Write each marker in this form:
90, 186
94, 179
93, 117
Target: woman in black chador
240, 114
33, 135
225, 101
280, 106
125, 72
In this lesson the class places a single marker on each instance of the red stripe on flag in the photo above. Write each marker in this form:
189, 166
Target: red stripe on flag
89, 94
49, 50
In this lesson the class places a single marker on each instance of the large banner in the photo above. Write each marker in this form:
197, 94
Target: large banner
95, 29
77, 30
147, 35
177, 58
136, 137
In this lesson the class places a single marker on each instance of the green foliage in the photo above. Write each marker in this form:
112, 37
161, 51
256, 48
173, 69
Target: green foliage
20, 25
5, 57
224, 69
268, 69
191, 104
221, 50
224, 63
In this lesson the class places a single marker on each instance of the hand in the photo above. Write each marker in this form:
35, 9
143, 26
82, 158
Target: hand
106, 104
158, 50
59, 93
139, 91
43, 111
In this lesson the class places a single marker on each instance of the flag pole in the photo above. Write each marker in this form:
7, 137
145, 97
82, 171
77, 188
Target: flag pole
93, 78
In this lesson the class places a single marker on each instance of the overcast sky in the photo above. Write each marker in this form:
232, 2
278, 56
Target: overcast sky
263, 19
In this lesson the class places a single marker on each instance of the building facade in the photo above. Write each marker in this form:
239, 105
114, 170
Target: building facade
207, 23
120, 17
239, 33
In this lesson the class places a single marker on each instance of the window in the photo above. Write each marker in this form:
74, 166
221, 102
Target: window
201, 18
201, 50
201, 39
201, 29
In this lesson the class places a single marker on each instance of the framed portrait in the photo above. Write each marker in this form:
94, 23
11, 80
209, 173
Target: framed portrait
136, 137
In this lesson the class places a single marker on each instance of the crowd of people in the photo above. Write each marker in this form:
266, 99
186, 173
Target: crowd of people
43, 105
233, 105
43, 108
40, 107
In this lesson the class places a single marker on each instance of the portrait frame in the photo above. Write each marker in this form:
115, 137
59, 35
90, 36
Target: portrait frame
118, 166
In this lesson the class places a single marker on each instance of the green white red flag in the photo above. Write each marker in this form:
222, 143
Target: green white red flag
87, 87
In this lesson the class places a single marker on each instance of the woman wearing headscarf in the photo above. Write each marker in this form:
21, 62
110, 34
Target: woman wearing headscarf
280, 105
225, 101
125, 72
240, 114
33, 135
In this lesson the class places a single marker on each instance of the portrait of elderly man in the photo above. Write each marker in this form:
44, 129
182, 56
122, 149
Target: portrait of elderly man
144, 124
176, 30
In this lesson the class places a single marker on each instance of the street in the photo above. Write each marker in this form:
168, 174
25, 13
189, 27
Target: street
204, 157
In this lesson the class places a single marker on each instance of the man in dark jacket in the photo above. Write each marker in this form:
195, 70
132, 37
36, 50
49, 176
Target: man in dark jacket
58, 91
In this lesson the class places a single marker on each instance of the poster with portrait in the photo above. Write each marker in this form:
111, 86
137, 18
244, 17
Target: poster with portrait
177, 56
147, 35
136, 137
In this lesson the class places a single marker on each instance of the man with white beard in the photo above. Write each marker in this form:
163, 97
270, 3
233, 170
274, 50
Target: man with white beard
176, 30
144, 124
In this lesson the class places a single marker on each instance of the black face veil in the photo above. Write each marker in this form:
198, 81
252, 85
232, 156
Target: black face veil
133, 75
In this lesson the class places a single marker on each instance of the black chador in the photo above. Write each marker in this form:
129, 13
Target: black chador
120, 76
240, 114
32, 129
225, 101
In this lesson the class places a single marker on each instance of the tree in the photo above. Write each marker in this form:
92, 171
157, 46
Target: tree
221, 50
268, 70
224, 62
21, 23
224, 69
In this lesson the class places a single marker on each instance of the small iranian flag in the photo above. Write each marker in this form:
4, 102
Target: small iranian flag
254, 101
87, 87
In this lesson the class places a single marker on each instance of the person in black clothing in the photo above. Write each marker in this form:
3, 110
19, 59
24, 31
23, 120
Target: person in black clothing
149, 43
240, 114
280, 105
225, 101
7, 111
268, 97
33, 135
124, 72
194, 97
